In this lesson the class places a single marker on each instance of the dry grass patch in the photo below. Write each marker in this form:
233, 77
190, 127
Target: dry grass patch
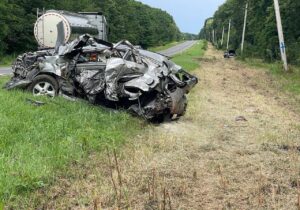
207, 160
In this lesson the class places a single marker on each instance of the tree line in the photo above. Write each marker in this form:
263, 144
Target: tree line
127, 19
261, 38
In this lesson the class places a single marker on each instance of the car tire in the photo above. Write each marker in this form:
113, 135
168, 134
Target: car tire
44, 85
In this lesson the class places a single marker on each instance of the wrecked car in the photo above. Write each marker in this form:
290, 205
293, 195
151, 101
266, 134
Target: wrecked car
115, 75
229, 54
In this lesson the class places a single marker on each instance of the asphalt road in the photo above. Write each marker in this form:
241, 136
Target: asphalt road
169, 52
5, 70
178, 48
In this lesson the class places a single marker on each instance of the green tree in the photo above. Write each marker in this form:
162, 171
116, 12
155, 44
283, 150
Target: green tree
261, 37
127, 19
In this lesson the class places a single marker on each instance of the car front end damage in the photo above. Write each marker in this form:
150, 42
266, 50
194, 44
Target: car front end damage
116, 75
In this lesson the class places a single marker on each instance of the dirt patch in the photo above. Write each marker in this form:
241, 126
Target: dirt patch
207, 160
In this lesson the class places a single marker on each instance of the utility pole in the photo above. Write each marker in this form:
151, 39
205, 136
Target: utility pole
244, 29
222, 36
280, 35
216, 38
228, 38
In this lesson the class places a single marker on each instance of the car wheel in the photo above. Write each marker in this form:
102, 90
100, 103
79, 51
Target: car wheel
44, 85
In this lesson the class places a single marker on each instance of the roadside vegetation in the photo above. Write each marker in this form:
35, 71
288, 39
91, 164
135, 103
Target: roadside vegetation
188, 59
261, 47
286, 81
38, 143
6, 60
213, 158
44, 145
261, 40
131, 20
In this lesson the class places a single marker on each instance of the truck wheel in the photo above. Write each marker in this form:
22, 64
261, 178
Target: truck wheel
44, 85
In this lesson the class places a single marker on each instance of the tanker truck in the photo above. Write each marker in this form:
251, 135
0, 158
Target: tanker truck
74, 24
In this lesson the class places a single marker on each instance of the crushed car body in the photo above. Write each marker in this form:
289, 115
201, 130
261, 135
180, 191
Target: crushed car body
118, 75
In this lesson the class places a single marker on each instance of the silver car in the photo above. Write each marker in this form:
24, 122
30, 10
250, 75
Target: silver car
115, 75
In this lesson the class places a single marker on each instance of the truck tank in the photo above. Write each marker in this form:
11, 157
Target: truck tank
75, 24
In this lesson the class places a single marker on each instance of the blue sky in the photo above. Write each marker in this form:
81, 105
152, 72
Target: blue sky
188, 14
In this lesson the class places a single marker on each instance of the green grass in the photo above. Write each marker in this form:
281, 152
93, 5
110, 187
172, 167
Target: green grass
38, 142
188, 59
288, 81
7, 60
164, 47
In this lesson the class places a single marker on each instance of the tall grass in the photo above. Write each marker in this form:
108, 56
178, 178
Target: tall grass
36, 142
